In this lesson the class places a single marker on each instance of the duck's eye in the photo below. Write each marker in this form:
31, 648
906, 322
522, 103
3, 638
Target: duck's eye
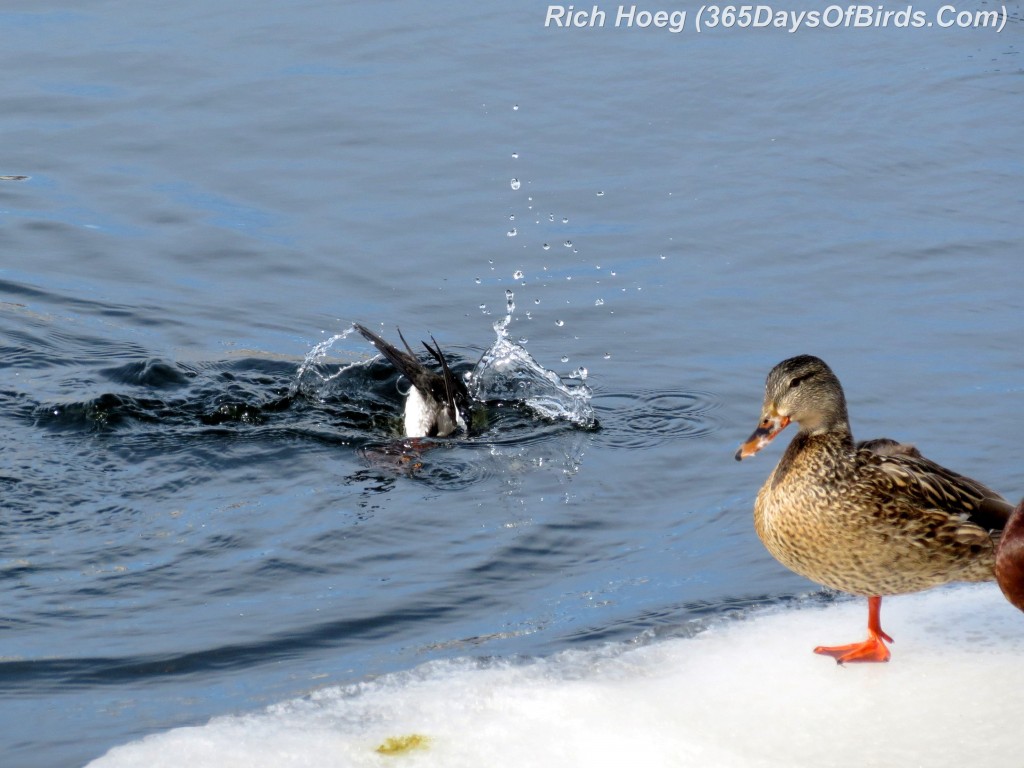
798, 380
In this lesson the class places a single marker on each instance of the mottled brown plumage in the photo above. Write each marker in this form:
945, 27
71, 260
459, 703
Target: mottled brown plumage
871, 519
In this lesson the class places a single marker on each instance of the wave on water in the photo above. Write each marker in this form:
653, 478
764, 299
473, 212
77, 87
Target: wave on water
744, 693
141, 407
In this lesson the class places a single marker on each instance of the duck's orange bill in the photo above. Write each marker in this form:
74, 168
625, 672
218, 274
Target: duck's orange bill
763, 435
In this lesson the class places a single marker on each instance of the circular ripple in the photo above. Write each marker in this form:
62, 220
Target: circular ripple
439, 464
649, 418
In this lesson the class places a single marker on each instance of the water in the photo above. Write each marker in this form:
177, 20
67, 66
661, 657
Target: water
195, 530
663, 703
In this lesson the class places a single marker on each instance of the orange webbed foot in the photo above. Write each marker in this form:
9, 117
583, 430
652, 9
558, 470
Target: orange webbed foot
872, 649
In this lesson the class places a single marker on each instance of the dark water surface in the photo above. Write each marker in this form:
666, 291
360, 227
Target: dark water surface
190, 528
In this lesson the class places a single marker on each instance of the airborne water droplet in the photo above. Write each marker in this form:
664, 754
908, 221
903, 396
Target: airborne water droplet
599, 303
512, 232
515, 184
559, 323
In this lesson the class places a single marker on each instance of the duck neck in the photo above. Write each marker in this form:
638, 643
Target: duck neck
830, 420
837, 430
835, 447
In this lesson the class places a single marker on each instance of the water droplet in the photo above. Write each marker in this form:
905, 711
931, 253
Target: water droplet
599, 303
517, 275
523, 340
662, 257
613, 273
515, 184
546, 246
515, 155
567, 243
512, 217
536, 301
607, 355
600, 194
551, 217
483, 306
559, 323
478, 281
581, 373
565, 219
565, 358
515, 107
512, 232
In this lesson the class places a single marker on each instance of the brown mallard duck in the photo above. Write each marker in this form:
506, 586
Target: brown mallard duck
871, 519
1010, 558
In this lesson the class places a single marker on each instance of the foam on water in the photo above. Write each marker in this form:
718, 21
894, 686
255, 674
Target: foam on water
740, 694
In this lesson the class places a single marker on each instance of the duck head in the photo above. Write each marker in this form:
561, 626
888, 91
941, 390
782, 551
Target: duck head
801, 389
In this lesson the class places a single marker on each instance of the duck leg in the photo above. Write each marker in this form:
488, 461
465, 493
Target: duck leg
872, 649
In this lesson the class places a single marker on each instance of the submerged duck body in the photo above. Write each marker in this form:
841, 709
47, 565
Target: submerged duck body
871, 519
437, 404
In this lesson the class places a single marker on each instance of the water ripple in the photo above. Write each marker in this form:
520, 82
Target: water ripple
649, 418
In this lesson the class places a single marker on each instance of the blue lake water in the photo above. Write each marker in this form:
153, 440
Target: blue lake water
213, 190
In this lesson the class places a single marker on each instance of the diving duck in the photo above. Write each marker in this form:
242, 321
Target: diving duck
871, 519
1010, 558
437, 404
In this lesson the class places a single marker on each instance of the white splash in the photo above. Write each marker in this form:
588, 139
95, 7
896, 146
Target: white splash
308, 378
507, 372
